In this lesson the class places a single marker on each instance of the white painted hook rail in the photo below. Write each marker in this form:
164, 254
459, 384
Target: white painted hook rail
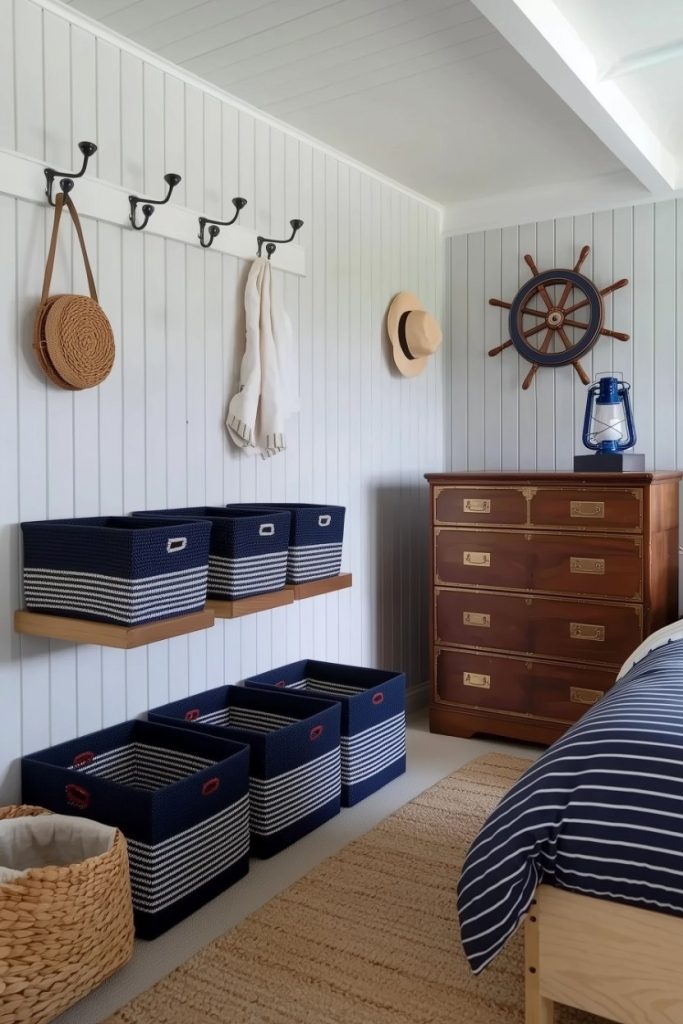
23, 177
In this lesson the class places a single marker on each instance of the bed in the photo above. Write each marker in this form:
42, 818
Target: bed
587, 848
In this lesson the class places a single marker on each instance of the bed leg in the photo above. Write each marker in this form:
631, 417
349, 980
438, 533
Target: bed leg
539, 1010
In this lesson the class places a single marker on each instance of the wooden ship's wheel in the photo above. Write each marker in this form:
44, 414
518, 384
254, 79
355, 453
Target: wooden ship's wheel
543, 322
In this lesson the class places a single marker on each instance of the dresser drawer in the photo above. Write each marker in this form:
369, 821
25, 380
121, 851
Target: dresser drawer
545, 626
490, 506
580, 508
566, 563
541, 689
588, 508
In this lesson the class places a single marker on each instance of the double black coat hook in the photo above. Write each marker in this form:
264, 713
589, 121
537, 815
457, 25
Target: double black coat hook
67, 182
214, 230
148, 204
274, 242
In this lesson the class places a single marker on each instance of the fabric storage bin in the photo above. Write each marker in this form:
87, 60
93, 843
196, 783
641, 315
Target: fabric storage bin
373, 724
180, 798
294, 775
116, 568
316, 536
66, 919
248, 549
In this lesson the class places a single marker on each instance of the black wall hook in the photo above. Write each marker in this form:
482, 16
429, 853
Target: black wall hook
67, 182
274, 242
214, 230
148, 204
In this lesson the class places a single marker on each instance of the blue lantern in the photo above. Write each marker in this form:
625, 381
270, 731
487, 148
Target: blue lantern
608, 428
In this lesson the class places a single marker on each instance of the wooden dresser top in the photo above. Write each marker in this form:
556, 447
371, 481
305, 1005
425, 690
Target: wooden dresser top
625, 479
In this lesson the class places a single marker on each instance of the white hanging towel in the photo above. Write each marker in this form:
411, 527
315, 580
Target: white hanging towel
268, 391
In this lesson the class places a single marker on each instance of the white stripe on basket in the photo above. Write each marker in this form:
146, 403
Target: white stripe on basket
253, 719
341, 689
371, 751
239, 577
126, 601
281, 801
144, 766
314, 561
163, 873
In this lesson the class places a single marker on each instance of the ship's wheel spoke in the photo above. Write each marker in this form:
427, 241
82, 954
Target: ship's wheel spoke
528, 311
585, 379
532, 372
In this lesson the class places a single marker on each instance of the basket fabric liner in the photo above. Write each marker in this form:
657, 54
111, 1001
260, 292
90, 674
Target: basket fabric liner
49, 840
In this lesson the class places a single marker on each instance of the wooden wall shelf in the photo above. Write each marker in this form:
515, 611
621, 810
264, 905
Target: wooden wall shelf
83, 631
251, 605
104, 634
317, 587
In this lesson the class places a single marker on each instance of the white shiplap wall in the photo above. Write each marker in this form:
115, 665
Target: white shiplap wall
494, 424
153, 433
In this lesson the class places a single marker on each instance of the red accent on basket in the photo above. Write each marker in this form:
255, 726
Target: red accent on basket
77, 796
210, 786
316, 732
378, 698
192, 716
80, 760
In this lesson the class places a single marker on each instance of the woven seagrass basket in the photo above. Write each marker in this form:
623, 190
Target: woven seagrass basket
63, 930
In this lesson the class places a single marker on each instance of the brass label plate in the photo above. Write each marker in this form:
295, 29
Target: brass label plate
586, 631
587, 509
577, 695
482, 559
482, 506
591, 566
476, 679
476, 619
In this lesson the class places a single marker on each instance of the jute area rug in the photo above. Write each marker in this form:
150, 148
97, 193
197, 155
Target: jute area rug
368, 937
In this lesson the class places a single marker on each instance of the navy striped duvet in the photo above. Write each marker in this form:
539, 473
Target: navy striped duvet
600, 812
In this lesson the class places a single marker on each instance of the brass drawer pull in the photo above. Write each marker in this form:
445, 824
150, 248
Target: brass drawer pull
476, 619
481, 505
476, 679
592, 566
585, 631
587, 510
480, 558
579, 696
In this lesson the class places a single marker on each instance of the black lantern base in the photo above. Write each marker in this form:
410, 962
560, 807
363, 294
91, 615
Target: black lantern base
609, 462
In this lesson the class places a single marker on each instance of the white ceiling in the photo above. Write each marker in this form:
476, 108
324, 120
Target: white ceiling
495, 108
638, 44
425, 91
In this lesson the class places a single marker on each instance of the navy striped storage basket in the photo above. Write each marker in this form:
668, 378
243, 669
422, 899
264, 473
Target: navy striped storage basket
373, 721
248, 550
315, 540
294, 777
181, 800
116, 568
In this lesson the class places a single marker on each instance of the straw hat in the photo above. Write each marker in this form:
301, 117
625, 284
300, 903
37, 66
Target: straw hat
413, 332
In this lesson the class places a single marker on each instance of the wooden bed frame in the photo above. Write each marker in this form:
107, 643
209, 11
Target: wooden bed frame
622, 963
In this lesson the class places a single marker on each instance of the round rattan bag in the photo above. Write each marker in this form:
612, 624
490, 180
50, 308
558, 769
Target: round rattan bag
72, 336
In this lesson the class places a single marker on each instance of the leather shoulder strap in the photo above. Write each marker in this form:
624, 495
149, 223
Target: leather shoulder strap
60, 200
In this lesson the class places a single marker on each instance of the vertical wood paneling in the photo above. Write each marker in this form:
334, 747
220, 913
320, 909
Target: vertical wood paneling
541, 428
153, 434
7, 101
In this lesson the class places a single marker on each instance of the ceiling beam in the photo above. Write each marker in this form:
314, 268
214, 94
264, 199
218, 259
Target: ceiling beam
550, 44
